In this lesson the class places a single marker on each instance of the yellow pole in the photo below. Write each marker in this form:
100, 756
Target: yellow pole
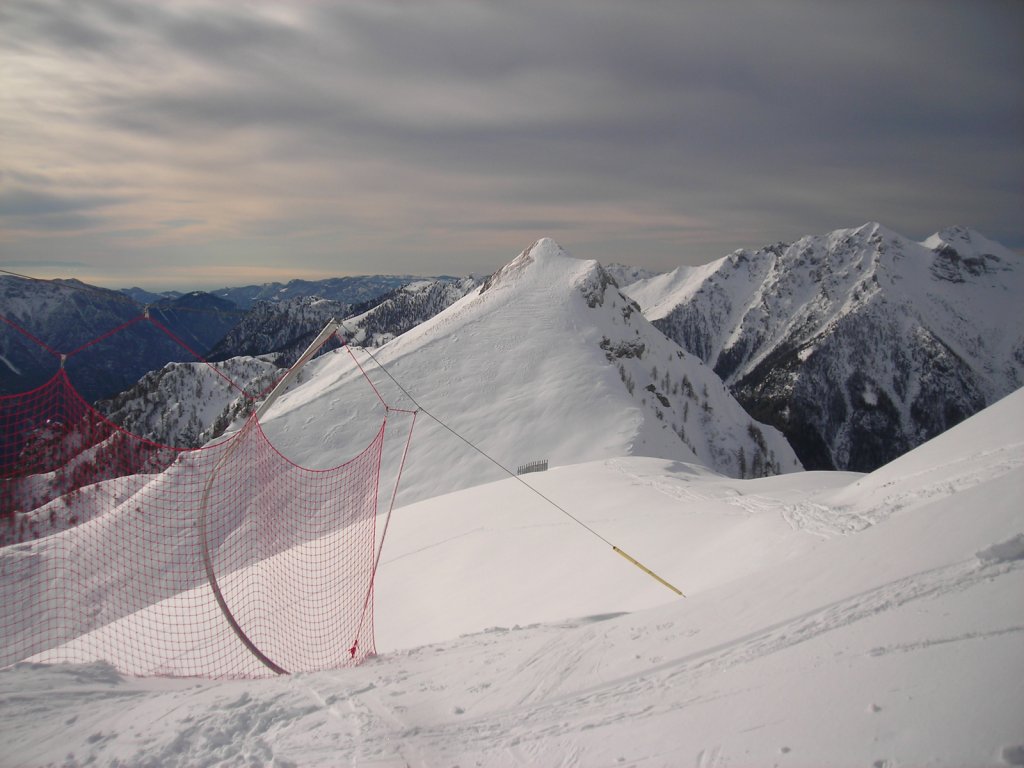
647, 570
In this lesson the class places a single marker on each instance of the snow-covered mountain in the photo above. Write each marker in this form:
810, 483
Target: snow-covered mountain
286, 327
624, 274
831, 618
67, 314
547, 359
859, 344
282, 328
185, 405
346, 290
405, 308
142, 296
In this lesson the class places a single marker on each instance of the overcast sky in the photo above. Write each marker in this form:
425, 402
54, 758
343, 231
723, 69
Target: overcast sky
189, 144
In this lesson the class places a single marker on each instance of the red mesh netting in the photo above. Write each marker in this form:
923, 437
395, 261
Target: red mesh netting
226, 561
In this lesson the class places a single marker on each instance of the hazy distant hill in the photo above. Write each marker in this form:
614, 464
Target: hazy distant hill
67, 314
347, 290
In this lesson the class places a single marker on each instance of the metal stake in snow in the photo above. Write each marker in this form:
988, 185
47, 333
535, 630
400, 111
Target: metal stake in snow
647, 570
329, 330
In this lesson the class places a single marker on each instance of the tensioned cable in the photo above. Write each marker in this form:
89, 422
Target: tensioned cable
456, 434
513, 475
477, 448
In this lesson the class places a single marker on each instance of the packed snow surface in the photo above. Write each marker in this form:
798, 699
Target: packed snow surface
830, 619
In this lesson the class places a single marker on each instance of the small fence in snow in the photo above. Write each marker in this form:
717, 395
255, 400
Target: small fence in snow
533, 466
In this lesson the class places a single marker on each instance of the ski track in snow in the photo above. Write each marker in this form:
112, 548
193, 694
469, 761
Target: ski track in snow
622, 700
823, 520
826, 520
528, 693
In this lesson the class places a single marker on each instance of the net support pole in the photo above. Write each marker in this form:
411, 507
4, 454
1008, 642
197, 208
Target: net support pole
648, 571
329, 330
211, 574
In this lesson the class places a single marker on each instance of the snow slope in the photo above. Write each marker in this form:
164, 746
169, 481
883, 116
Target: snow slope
545, 360
804, 641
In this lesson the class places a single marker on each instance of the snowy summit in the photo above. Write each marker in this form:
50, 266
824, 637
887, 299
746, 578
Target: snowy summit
547, 359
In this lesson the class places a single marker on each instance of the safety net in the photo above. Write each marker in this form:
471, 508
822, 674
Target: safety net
225, 561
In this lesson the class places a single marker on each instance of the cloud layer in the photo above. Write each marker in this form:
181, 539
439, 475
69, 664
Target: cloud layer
194, 141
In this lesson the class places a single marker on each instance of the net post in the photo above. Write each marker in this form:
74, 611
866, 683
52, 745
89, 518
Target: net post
211, 575
329, 330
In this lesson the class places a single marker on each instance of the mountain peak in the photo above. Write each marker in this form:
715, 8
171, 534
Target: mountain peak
858, 343
544, 248
967, 243
547, 360
867, 232
543, 251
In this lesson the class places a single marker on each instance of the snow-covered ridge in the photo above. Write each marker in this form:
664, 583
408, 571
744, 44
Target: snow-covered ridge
859, 344
185, 405
624, 274
404, 309
546, 359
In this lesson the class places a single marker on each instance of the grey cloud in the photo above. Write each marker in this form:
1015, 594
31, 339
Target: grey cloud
44, 263
219, 32
52, 222
178, 223
26, 25
42, 212
746, 115
28, 203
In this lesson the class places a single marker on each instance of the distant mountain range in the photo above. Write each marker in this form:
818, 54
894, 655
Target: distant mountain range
186, 404
346, 290
286, 327
860, 344
66, 314
405, 308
